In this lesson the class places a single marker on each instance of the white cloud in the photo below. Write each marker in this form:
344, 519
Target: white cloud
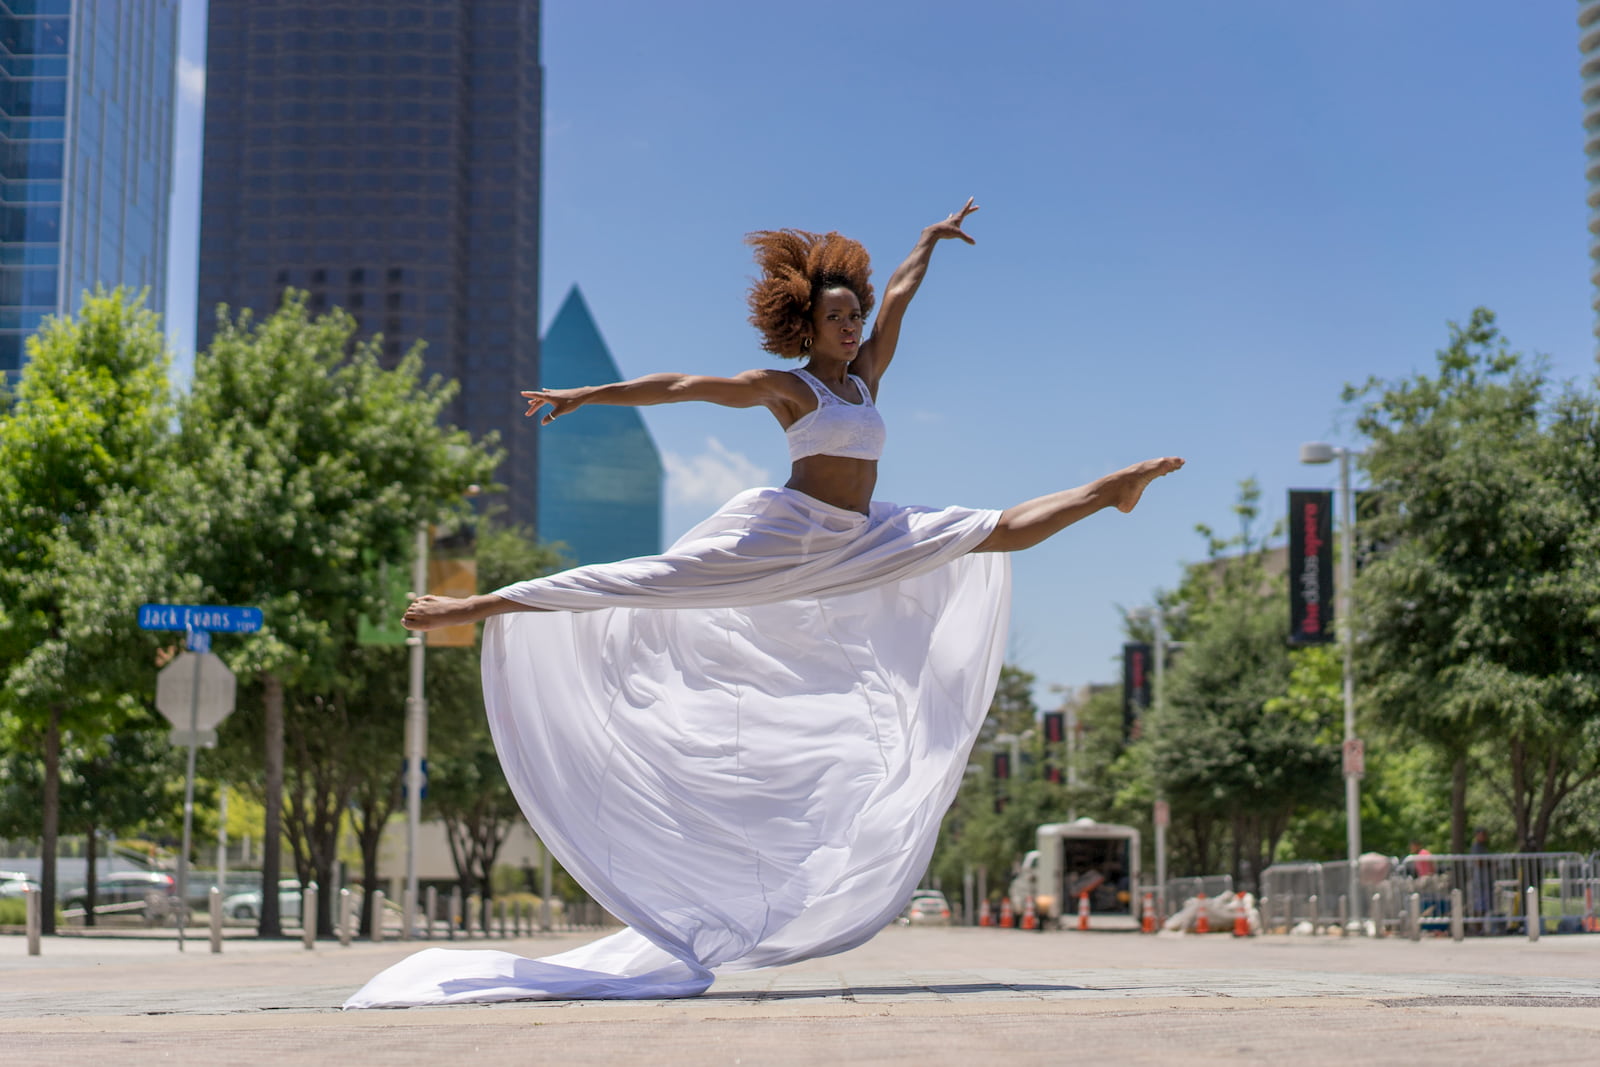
712, 476
191, 81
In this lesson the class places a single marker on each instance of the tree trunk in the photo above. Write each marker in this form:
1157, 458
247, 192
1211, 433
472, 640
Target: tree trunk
90, 882
50, 820
1458, 805
272, 834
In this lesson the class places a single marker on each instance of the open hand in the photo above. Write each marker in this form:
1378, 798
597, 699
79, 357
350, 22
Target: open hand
560, 401
951, 226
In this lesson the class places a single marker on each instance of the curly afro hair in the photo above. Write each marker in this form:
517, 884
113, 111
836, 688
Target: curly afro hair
795, 267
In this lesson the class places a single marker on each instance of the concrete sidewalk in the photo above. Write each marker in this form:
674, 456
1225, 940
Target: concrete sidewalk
911, 995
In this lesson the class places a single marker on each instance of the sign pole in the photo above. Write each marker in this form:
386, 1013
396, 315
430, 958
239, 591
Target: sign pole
180, 912
416, 737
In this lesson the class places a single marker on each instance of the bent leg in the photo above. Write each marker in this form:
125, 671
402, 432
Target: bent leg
1026, 524
432, 612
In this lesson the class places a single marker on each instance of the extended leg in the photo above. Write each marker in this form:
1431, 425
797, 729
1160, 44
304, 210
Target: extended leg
431, 612
1026, 524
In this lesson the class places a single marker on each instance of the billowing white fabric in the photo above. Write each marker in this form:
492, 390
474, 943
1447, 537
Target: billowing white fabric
753, 777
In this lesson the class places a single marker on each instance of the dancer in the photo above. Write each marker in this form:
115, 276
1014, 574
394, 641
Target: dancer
743, 747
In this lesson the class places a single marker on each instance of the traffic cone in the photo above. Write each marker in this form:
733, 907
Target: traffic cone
1008, 920
1030, 916
1083, 911
1147, 924
1241, 921
1202, 922
984, 918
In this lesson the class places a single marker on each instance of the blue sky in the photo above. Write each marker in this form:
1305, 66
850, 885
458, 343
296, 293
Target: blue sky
1199, 222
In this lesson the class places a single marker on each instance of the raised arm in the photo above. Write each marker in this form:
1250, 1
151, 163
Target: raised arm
879, 348
754, 388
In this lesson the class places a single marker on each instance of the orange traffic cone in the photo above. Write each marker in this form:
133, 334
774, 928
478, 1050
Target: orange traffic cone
1241, 921
1202, 922
1008, 920
984, 918
1030, 916
1083, 911
1147, 923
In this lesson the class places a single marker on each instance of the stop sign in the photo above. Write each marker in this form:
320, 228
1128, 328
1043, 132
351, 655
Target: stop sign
176, 685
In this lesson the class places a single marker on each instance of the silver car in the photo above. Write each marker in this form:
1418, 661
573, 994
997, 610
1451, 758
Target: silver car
928, 907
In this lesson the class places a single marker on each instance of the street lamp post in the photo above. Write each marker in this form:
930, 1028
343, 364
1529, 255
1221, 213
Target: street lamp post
1318, 452
416, 740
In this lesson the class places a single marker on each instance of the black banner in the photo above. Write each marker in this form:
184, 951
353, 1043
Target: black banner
1055, 727
1310, 566
1136, 666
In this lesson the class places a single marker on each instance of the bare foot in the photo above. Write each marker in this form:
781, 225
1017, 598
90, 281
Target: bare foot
1127, 485
431, 612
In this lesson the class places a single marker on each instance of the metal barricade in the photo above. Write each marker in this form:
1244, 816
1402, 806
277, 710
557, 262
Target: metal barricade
1300, 897
1494, 889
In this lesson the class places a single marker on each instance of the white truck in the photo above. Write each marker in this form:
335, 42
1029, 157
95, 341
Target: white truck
1073, 858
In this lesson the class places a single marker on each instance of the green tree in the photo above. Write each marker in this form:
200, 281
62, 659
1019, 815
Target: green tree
313, 463
467, 789
992, 823
1478, 622
1234, 755
83, 449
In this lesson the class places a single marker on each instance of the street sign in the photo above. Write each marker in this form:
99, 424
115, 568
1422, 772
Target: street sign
1163, 813
1355, 758
221, 620
195, 684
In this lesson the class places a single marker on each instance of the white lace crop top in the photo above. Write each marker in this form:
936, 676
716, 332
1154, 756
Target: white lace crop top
837, 427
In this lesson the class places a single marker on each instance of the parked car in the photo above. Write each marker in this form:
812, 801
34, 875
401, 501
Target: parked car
12, 883
118, 892
928, 907
246, 906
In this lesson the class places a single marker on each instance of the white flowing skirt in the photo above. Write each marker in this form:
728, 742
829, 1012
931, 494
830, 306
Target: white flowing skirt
755, 776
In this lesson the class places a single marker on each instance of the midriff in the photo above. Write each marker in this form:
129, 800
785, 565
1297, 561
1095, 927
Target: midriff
837, 480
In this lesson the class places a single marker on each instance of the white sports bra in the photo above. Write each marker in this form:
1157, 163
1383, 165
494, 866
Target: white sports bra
837, 427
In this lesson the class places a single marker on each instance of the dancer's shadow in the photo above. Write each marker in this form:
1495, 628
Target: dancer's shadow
850, 992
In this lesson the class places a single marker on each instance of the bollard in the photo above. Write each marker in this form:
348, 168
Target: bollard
376, 933
214, 902
455, 913
1377, 915
469, 919
308, 916
1416, 916
1534, 922
1311, 906
344, 917
1344, 915
486, 915
408, 914
1457, 924
432, 911
33, 908
502, 909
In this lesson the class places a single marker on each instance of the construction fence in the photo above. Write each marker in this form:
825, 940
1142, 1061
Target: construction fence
1468, 894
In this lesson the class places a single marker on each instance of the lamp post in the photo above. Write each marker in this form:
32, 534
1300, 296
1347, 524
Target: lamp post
1318, 452
416, 740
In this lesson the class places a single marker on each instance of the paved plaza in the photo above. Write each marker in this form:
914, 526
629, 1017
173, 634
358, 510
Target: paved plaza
916, 996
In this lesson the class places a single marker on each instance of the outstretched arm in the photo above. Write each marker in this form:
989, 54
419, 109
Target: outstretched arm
879, 348
754, 388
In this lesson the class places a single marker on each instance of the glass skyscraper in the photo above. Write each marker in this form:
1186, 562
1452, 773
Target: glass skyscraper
384, 156
599, 471
87, 106
1589, 45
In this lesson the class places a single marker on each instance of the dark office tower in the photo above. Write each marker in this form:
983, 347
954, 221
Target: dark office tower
383, 155
86, 108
